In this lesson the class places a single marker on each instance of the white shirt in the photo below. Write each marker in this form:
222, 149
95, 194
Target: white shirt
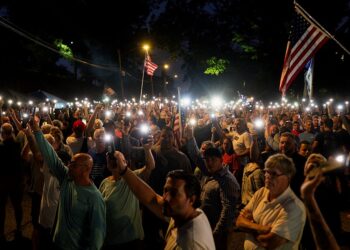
49, 199
196, 234
286, 215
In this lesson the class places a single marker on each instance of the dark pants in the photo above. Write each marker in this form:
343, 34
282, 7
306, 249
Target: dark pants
132, 245
11, 187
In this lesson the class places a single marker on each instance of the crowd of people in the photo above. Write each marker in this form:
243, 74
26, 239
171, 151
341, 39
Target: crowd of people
152, 176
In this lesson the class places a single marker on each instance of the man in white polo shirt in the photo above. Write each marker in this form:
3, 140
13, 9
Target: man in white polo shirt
274, 217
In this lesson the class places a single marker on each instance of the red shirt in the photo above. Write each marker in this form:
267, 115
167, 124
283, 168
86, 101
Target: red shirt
231, 161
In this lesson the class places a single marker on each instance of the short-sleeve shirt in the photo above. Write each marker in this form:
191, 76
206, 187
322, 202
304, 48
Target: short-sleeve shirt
195, 234
123, 215
286, 215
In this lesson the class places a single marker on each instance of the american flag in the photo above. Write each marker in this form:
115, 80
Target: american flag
305, 39
177, 128
150, 66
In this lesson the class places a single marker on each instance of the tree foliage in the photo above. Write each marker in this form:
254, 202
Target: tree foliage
216, 66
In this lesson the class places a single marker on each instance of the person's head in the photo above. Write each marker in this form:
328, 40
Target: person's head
181, 194
80, 166
273, 129
156, 132
279, 170
99, 138
7, 131
296, 126
304, 149
314, 161
328, 124
166, 138
98, 124
205, 145
288, 125
78, 128
240, 125
213, 160
58, 124
227, 146
45, 128
58, 135
287, 144
308, 126
337, 123
315, 121
50, 138
295, 118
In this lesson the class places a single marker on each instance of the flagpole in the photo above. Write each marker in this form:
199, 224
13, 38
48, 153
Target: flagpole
309, 18
179, 111
312, 79
143, 75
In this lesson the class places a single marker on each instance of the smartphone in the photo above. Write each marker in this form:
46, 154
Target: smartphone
145, 132
109, 140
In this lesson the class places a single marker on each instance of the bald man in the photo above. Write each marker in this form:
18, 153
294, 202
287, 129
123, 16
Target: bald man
81, 222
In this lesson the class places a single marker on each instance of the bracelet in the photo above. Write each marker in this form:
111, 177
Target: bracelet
124, 171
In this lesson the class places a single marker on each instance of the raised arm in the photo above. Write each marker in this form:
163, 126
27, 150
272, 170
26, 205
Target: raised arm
50, 157
323, 236
146, 195
15, 120
150, 163
92, 119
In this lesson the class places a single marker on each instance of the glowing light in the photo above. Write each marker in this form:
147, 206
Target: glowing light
259, 123
146, 47
340, 158
216, 102
193, 122
128, 114
108, 113
144, 128
186, 101
30, 102
108, 137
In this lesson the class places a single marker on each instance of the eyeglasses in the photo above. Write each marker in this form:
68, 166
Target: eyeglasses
272, 174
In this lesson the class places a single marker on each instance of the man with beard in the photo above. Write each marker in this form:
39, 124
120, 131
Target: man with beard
274, 217
189, 227
81, 222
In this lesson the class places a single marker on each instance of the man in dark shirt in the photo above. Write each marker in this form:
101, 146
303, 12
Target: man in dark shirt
219, 197
11, 178
288, 147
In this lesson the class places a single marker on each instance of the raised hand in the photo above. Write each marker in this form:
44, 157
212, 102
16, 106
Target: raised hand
149, 143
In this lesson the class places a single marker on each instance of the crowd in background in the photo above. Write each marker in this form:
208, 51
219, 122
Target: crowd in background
250, 164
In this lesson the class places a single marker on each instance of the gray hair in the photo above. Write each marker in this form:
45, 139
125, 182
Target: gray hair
282, 163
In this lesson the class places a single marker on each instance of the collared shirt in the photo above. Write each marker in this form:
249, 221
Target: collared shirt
219, 197
286, 215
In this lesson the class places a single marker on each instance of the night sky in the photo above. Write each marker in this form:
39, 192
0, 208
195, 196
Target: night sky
250, 35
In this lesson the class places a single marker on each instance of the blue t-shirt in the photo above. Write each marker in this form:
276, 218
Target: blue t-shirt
81, 219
